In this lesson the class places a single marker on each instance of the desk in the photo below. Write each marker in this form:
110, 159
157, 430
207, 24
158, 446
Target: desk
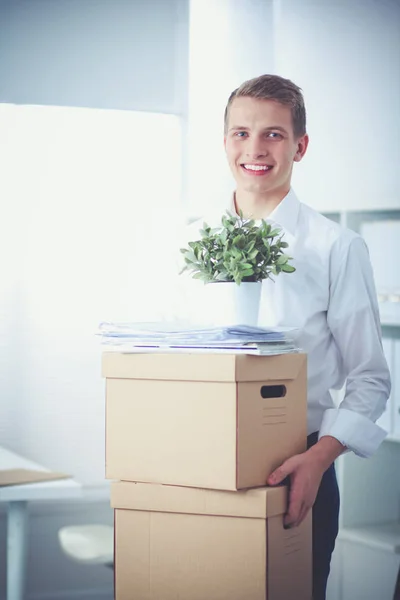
17, 498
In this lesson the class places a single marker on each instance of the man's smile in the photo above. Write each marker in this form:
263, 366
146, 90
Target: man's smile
256, 169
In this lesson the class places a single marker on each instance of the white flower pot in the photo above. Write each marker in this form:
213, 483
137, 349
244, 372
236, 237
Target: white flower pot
230, 304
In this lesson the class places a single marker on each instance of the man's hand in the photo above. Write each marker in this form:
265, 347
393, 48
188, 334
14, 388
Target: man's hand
305, 472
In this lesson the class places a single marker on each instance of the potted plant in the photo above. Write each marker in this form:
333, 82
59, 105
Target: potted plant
238, 256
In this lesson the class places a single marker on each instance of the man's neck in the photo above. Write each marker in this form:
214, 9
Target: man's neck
256, 206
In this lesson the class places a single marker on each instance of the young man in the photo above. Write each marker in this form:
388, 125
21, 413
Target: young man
331, 299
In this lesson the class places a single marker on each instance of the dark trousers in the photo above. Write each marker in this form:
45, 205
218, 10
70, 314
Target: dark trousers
397, 588
325, 525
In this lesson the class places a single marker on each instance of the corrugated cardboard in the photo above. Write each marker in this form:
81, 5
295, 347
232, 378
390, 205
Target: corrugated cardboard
203, 420
184, 543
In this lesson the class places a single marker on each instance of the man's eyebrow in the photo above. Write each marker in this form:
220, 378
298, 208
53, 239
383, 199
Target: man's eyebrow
236, 127
270, 128
276, 128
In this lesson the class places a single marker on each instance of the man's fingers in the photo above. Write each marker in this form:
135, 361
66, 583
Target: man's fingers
277, 476
294, 512
291, 520
303, 513
287, 468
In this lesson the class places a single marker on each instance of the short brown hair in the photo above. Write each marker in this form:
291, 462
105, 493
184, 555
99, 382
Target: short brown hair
273, 87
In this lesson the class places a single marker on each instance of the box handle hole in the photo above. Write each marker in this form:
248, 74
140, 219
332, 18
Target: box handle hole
273, 391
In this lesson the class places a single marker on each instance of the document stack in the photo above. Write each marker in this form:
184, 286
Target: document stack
196, 420
160, 337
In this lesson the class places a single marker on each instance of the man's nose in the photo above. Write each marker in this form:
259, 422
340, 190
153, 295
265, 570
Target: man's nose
256, 148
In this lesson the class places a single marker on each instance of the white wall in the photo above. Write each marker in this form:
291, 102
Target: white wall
230, 41
10, 253
346, 57
94, 205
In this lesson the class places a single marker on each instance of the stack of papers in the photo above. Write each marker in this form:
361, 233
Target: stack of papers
163, 337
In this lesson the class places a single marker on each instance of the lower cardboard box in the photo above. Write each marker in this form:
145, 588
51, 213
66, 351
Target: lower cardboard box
174, 543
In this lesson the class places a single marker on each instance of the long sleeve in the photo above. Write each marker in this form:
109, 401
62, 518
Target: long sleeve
353, 318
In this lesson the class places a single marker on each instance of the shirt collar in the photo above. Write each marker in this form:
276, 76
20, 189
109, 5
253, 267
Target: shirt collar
285, 215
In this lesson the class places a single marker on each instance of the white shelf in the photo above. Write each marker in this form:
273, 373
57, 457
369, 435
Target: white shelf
385, 536
386, 323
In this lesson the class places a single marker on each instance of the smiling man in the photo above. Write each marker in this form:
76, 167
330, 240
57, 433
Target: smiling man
330, 298
261, 146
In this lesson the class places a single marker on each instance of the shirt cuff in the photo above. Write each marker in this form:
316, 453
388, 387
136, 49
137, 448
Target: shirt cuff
355, 431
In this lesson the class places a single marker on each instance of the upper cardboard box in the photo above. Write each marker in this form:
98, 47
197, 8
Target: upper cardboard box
208, 421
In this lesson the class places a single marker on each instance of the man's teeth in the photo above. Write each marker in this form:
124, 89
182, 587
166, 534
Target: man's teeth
256, 167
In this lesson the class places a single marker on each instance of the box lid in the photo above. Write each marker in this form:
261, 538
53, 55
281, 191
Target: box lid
259, 503
202, 367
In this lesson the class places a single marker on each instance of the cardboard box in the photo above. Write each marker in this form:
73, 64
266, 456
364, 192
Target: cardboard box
214, 421
184, 543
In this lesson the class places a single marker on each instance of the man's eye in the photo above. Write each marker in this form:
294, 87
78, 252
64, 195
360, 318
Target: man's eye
240, 133
274, 135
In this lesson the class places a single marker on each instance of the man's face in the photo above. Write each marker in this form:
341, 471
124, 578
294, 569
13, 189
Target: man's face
261, 147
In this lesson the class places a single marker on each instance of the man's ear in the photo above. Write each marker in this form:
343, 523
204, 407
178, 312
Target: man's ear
302, 145
224, 142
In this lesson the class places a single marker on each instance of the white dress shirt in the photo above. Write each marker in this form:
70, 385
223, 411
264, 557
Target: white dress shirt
331, 299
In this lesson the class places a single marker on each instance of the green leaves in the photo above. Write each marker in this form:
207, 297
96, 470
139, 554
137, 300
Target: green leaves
288, 269
238, 251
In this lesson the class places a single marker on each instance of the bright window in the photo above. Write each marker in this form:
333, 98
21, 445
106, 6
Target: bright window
90, 203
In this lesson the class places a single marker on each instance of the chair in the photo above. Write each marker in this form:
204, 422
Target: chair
89, 544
